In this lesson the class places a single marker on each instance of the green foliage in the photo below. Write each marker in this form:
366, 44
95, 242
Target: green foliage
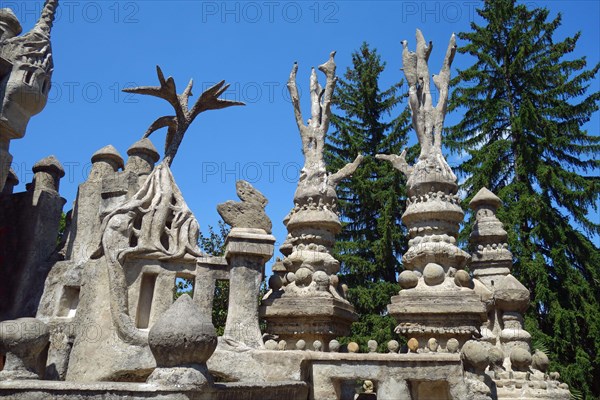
525, 103
371, 203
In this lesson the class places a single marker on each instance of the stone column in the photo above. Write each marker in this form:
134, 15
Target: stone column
246, 252
306, 301
437, 302
47, 173
249, 245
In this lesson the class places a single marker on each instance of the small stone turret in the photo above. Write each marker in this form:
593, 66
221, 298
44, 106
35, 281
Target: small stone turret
47, 173
105, 162
491, 258
142, 157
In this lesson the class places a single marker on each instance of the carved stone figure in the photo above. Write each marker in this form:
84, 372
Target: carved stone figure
310, 286
430, 293
25, 73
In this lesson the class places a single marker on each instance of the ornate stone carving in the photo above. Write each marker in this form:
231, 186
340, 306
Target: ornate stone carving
310, 268
430, 291
178, 124
25, 73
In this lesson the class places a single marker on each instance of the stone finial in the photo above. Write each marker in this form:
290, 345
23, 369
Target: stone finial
540, 361
372, 346
144, 147
353, 347
475, 356
47, 174
142, 157
317, 345
250, 212
334, 346
393, 346
178, 124
22, 340
511, 295
520, 359
109, 155
485, 198
182, 340
300, 344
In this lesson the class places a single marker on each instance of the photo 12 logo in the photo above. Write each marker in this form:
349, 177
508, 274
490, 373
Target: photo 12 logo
252, 12
118, 12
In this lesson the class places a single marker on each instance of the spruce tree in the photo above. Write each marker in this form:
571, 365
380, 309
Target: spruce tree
525, 102
372, 201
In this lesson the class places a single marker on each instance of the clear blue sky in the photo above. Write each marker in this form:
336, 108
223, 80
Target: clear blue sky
102, 46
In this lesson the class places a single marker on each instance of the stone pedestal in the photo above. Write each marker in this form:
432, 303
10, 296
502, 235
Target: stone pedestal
308, 318
247, 250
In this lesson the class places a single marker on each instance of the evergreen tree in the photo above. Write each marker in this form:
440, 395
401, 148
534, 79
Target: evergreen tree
525, 103
372, 201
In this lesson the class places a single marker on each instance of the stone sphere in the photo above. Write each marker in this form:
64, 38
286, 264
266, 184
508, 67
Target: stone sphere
282, 345
408, 279
317, 345
540, 361
23, 336
372, 346
290, 277
334, 346
303, 276
271, 344
321, 279
353, 347
496, 356
433, 274
520, 359
452, 345
413, 345
432, 345
182, 335
393, 346
275, 282
462, 278
300, 345
475, 355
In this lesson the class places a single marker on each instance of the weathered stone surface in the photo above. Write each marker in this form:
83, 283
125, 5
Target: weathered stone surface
393, 346
511, 295
520, 359
22, 340
250, 212
313, 223
27, 67
540, 361
182, 335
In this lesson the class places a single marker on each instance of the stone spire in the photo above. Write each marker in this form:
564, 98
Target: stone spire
438, 300
312, 225
46, 21
491, 258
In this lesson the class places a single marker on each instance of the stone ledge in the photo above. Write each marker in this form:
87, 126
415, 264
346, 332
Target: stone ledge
35, 390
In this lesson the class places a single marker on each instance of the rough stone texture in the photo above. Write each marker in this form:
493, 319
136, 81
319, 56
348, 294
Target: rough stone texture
36, 390
181, 341
25, 76
436, 306
250, 212
312, 225
29, 222
22, 340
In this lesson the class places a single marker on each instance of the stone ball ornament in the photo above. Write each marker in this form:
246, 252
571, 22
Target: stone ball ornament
408, 279
520, 359
433, 274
